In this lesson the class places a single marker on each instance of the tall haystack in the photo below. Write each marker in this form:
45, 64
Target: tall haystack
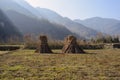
43, 45
71, 45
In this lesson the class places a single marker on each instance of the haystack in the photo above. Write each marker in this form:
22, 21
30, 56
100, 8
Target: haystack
71, 45
43, 45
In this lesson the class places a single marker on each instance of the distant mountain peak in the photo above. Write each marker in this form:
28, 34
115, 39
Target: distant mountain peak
34, 15
105, 25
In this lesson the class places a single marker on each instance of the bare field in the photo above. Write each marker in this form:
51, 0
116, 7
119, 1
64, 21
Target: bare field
3, 52
27, 65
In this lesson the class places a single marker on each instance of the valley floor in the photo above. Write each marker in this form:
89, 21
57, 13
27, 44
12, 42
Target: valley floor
27, 65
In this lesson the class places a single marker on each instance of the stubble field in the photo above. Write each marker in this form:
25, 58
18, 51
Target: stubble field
27, 65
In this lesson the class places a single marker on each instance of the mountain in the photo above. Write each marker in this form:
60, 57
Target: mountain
7, 29
28, 7
12, 4
105, 25
74, 27
50, 15
115, 29
54, 17
30, 24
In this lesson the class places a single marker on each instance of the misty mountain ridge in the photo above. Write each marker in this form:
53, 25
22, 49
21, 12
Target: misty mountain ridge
76, 28
12, 4
105, 25
56, 18
36, 26
7, 28
44, 21
32, 25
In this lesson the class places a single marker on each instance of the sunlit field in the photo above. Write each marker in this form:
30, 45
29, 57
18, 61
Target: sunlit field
39, 39
27, 65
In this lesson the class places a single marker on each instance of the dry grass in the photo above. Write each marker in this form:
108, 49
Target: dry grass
27, 65
3, 52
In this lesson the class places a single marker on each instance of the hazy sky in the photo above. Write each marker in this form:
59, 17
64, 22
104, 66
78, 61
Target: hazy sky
81, 9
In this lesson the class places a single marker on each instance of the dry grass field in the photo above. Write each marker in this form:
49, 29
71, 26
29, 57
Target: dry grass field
27, 65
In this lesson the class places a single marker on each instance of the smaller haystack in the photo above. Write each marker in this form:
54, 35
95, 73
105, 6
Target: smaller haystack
71, 45
43, 45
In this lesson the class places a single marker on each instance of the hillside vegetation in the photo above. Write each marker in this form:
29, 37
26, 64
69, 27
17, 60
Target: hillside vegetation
7, 28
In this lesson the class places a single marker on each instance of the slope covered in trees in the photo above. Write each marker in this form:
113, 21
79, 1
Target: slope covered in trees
7, 29
28, 23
